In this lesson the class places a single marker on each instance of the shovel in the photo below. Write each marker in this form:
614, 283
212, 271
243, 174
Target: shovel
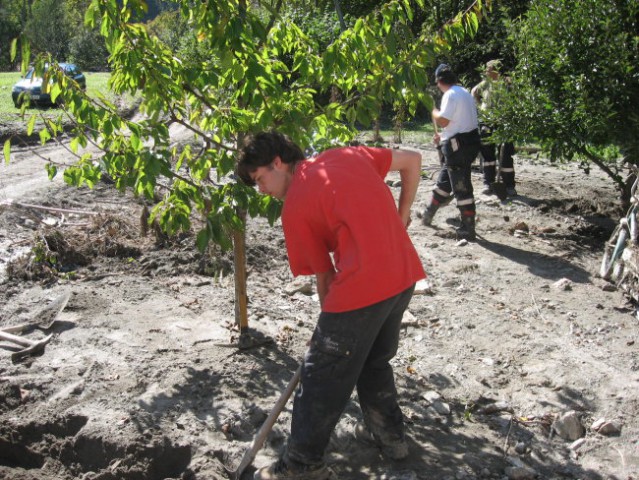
31, 347
260, 437
498, 186
44, 318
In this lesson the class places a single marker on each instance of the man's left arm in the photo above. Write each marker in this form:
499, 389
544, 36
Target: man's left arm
409, 166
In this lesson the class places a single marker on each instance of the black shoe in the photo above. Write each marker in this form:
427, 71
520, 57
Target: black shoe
467, 229
427, 217
395, 449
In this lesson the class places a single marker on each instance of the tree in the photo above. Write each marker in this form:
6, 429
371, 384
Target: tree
576, 84
10, 12
258, 74
49, 29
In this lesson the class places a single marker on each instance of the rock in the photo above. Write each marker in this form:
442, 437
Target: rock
431, 396
462, 243
496, 407
408, 318
605, 427
423, 287
568, 426
609, 429
609, 287
577, 444
521, 448
300, 284
520, 473
563, 284
596, 425
442, 408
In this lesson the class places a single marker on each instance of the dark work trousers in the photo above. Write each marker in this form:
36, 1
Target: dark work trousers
454, 177
348, 350
491, 154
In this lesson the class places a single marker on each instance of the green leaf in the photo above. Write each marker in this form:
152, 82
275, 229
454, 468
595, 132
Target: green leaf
7, 151
14, 49
31, 125
26, 55
45, 136
202, 240
273, 211
52, 170
55, 92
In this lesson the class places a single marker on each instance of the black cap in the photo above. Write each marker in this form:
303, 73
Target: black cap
440, 69
445, 74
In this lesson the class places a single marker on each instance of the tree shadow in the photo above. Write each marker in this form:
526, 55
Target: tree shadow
550, 267
439, 449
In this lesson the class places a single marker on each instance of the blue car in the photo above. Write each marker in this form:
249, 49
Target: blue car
30, 87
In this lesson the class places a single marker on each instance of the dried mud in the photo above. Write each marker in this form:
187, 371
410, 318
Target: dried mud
142, 378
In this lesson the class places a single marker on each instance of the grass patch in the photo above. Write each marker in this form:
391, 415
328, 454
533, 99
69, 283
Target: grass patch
415, 132
97, 82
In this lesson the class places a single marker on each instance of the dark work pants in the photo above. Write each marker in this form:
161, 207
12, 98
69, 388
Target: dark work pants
491, 153
348, 350
455, 177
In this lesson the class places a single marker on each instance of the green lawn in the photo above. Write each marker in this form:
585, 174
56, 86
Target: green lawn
416, 132
96, 82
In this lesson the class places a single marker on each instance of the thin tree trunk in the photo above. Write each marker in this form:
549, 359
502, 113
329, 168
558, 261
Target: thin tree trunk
239, 268
239, 263
338, 9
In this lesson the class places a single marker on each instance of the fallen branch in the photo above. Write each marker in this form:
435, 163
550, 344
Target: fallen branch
11, 203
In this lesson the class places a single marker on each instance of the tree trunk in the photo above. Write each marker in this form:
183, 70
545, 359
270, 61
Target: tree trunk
338, 9
239, 263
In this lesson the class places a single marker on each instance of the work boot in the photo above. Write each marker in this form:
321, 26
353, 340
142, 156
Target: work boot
487, 190
393, 448
428, 214
467, 229
283, 470
511, 192
430, 211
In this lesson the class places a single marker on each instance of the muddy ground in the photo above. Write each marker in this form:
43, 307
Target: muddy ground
510, 354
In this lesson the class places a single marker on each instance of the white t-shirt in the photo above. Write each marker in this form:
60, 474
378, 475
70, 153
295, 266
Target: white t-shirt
458, 107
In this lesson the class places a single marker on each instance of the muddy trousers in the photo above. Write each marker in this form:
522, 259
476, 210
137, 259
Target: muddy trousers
490, 154
455, 179
348, 350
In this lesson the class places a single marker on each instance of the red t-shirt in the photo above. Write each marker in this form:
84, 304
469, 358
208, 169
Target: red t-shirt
339, 204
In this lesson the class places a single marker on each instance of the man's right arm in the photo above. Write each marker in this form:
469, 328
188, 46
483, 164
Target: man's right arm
409, 165
477, 90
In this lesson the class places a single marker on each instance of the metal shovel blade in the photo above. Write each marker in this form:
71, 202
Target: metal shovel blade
260, 437
46, 316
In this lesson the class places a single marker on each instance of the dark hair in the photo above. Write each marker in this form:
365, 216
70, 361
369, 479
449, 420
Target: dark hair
260, 149
445, 74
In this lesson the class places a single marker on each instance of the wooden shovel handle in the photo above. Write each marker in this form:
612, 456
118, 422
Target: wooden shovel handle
4, 335
266, 427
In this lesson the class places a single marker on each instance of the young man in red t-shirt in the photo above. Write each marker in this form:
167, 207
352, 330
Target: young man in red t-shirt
341, 224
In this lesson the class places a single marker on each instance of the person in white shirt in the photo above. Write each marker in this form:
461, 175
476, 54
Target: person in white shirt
459, 143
